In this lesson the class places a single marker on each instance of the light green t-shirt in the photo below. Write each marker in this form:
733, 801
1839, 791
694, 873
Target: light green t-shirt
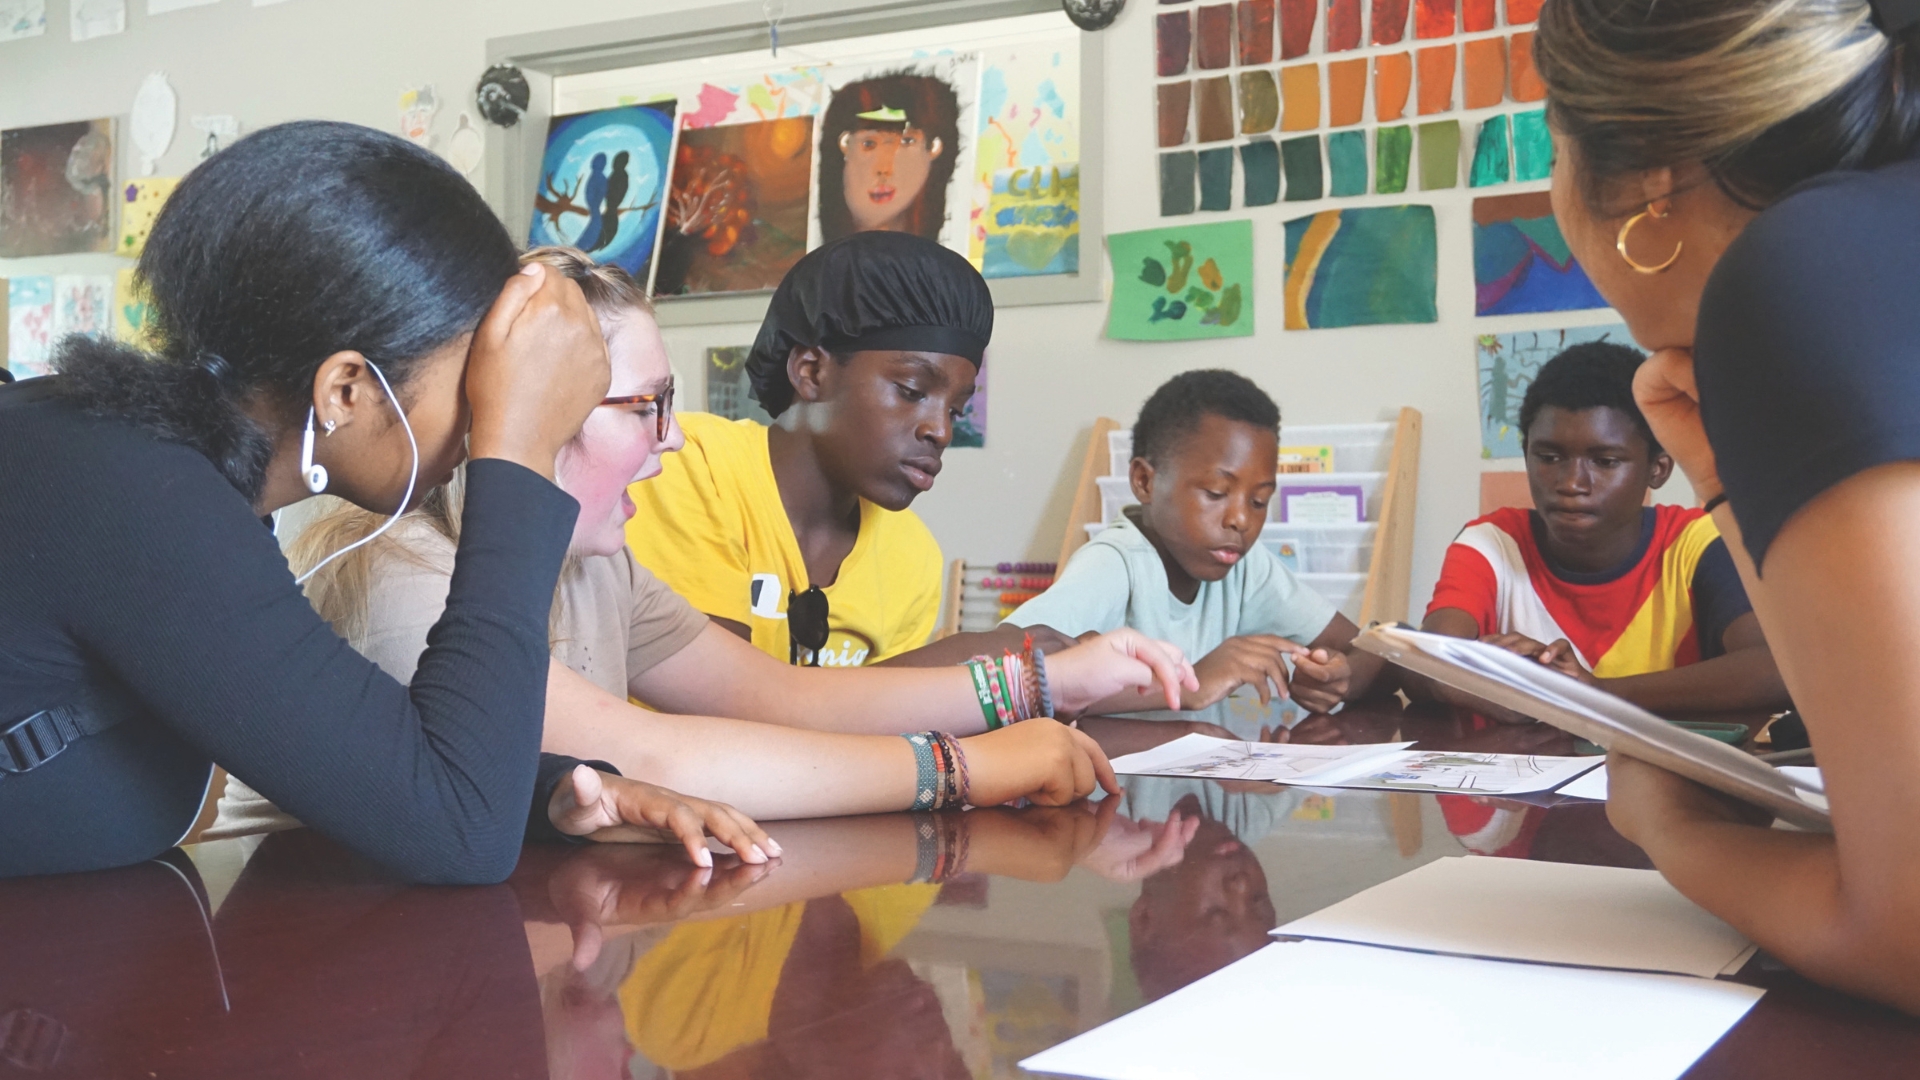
1117, 579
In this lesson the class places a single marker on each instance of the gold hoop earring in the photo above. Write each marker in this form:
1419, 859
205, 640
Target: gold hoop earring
1620, 242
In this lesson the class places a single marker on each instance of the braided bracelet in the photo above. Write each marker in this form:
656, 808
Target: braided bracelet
960, 783
926, 783
1037, 662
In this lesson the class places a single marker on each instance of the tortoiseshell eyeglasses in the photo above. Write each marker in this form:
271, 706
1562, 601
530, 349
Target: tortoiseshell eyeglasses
662, 403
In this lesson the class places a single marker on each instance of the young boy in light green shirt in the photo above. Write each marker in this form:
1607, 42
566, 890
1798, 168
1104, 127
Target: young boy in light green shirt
1185, 566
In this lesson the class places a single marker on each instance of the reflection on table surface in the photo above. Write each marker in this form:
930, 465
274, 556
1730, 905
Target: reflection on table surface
285, 956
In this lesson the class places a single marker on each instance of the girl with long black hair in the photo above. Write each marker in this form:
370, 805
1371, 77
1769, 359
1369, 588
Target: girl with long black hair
338, 311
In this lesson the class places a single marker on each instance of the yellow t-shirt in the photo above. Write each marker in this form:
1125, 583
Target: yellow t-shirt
712, 526
707, 989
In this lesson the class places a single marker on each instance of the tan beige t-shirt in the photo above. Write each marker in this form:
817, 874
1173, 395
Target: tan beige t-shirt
616, 621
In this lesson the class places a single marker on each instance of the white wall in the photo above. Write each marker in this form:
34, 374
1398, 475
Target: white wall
1052, 372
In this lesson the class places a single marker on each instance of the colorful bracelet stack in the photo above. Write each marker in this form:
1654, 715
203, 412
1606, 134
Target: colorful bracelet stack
940, 771
1012, 688
942, 847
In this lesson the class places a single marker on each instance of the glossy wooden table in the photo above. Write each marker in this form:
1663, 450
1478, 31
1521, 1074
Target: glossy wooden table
288, 957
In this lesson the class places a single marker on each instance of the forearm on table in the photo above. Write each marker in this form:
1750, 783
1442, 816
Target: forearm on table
765, 771
868, 700
1783, 891
719, 675
1741, 679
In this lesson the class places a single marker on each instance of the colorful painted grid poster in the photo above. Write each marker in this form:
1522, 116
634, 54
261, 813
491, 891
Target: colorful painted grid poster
1182, 283
29, 325
1026, 175
56, 189
1507, 364
1361, 267
892, 154
737, 207
601, 184
1521, 262
140, 201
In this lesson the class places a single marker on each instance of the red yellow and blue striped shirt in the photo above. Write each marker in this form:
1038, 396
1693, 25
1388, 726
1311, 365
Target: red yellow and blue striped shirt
1665, 607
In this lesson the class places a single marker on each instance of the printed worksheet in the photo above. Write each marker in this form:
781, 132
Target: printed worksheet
1462, 773
1223, 759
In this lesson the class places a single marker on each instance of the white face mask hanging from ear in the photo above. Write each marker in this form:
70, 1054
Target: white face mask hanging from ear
313, 471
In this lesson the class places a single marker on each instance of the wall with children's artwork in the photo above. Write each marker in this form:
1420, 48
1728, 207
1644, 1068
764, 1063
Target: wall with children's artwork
1054, 369
1057, 367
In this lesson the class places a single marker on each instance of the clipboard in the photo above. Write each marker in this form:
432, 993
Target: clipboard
1532, 689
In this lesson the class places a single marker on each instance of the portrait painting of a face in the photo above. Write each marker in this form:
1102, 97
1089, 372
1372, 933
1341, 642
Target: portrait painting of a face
891, 149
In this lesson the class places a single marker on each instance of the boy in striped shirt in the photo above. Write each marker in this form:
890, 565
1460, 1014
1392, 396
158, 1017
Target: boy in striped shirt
1642, 601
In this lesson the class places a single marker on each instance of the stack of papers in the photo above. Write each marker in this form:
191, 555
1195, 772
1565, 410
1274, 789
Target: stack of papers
1542, 912
1372, 766
1330, 1011
1461, 1006
1224, 759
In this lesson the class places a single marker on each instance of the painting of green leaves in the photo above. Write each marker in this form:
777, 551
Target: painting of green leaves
1182, 283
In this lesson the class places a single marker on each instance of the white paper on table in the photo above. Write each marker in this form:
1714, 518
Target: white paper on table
1593, 785
1543, 912
1206, 757
1457, 772
161, 7
1334, 1011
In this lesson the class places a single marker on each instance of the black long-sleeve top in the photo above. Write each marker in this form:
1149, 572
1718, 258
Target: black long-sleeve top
129, 562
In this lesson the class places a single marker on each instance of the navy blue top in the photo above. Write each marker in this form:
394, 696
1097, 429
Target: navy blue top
131, 563
1807, 351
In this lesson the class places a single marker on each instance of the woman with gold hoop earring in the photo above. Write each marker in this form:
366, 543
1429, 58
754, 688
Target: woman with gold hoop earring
1780, 135
1658, 209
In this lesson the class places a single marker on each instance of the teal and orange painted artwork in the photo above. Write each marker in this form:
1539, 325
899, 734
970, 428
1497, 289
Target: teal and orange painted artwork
1182, 283
1521, 262
1361, 267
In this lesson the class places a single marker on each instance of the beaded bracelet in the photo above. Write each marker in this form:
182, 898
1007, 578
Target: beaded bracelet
1040, 679
960, 783
940, 770
926, 783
